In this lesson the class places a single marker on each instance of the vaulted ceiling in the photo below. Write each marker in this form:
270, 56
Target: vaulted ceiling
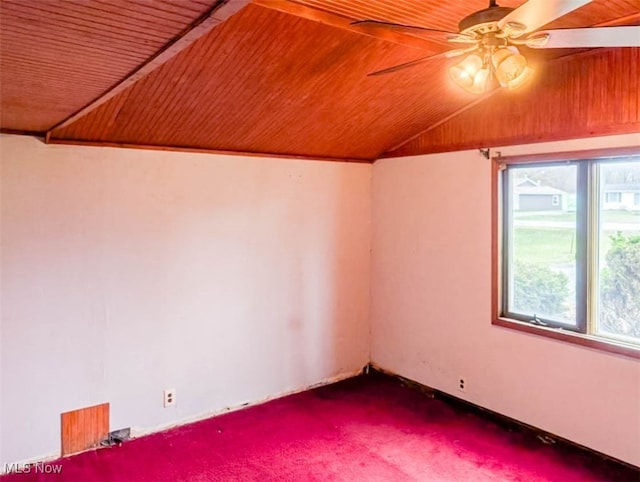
289, 78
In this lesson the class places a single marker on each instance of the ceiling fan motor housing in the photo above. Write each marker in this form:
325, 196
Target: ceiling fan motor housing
487, 16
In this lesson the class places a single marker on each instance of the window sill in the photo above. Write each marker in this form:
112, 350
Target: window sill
603, 344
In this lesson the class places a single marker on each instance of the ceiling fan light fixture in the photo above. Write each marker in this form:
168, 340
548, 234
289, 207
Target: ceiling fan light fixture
480, 81
470, 74
471, 64
493, 34
463, 73
508, 65
468, 67
525, 76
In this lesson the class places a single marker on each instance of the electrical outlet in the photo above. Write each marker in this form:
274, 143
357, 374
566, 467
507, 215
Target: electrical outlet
169, 397
462, 384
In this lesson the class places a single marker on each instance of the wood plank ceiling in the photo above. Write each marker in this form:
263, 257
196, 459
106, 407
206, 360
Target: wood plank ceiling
288, 77
56, 56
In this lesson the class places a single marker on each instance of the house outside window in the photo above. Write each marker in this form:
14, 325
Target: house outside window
576, 269
531, 195
621, 193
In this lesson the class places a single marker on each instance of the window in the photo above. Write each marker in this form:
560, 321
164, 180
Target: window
613, 197
572, 272
636, 198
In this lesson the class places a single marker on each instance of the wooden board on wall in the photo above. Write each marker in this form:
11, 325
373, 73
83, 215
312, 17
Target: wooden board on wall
288, 78
588, 94
84, 428
56, 57
281, 85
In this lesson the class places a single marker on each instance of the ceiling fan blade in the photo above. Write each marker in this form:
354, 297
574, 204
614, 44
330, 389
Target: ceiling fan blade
588, 38
534, 14
462, 39
444, 55
401, 27
408, 64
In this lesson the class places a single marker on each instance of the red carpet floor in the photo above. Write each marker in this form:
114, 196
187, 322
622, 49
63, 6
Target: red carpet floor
365, 429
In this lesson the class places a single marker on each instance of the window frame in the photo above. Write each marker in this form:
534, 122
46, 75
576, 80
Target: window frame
498, 251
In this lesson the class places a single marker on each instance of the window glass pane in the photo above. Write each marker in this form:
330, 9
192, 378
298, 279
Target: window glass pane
541, 262
618, 299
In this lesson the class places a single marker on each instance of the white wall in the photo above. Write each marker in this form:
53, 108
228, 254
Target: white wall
431, 295
126, 271
233, 279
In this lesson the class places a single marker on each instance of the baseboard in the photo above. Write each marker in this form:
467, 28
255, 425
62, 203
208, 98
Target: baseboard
495, 417
372, 370
137, 432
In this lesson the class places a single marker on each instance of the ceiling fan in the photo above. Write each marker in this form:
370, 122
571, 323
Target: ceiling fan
491, 38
